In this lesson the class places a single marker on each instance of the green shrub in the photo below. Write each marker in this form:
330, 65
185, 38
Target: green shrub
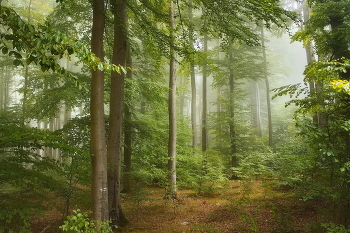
79, 222
334, 228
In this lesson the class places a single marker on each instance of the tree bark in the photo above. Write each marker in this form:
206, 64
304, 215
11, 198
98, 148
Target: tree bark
256, 120
233, 143
267, 84
204, 107
98, 143
127, 132
193, 82
309, 58
171, 192
114, 153
2, 88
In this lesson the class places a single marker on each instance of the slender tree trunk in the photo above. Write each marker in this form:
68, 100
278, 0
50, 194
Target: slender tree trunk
52, 128
309, 58
233, 143
182, 82
193, 82
127, 132
193, 106
2, 88
172, 108
99, 190
256, 121
116, 115
204, 107
7, 88
267, 84
26, 76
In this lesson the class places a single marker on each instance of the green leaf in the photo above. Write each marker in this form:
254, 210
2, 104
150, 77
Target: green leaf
5, 50
30, 59
17, 62
117, 69
70, 50
44, 67
18, 55
100, 66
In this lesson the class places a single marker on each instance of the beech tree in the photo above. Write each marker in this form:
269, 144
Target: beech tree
193, 77
116, 114
99, 187
172, 105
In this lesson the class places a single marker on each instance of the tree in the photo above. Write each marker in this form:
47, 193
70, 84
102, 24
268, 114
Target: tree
267, 85
172, 106
127, 131
204, 100
327, 28
116, 115
99, 188
193, 78
255, 100
233, 136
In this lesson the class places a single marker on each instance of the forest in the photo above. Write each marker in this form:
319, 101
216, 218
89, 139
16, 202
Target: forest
174, 116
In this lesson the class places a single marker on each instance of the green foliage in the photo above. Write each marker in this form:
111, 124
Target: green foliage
254, 165
242, 13
323, 112
332, 43
334, 228
211, 179
44, 46
26, 175
139, 195
80, 222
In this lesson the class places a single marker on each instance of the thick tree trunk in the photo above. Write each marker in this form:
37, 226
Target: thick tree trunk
171, 192
98, 143
116, 115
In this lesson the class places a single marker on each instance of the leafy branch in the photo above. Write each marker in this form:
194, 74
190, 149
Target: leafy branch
44, 46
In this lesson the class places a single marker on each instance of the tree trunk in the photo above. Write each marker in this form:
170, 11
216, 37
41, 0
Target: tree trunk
193, 82
98, 143
127, 132
233, 143
2, 88
182, 93
256, 120
116, 115
309, 58
204, 107
26, 76
267, 84
171, 192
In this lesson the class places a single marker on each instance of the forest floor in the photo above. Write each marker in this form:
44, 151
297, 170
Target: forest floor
238, 208
241, 207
